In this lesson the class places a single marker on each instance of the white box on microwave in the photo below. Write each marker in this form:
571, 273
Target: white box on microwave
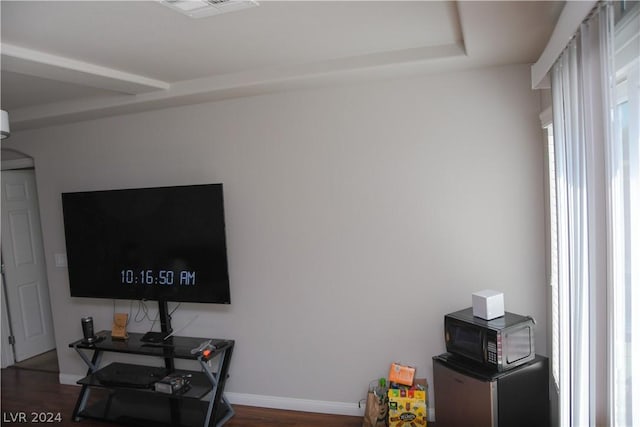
488, 304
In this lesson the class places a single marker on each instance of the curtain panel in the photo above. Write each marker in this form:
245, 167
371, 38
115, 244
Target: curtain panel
580, 90
595, 86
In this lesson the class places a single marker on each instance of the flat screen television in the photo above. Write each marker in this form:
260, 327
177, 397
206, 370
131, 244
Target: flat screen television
162, 244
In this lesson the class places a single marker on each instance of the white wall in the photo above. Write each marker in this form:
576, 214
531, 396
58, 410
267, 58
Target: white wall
356, 218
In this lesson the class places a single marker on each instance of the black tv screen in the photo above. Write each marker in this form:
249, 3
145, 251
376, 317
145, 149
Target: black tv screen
164, 244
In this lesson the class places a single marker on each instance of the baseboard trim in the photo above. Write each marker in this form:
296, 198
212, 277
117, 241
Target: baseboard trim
295, 404
304, 405
69, 379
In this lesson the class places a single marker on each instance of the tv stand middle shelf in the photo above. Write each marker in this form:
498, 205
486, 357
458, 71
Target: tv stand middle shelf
131, 377
131, 398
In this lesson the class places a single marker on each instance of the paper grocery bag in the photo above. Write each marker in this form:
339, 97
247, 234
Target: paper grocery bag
375, 413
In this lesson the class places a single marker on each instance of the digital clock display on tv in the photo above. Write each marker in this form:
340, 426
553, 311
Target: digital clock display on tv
160, 277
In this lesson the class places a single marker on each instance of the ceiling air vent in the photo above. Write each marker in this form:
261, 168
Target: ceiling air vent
202, 8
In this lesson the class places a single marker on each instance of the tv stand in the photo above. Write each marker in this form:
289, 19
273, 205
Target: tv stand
201, 403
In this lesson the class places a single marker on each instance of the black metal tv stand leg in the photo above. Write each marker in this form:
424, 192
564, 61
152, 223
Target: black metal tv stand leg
93, 364
218, 379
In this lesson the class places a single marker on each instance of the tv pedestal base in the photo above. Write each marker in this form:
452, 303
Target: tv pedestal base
201, 403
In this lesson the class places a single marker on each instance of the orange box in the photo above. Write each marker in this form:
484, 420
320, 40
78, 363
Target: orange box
401, 374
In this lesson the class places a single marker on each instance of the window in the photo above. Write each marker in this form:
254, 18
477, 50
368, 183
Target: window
553, 257
625, 225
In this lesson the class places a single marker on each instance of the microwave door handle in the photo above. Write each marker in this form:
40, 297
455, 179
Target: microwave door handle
484, 347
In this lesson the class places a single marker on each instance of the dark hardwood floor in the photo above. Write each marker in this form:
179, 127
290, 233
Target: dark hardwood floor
27, 391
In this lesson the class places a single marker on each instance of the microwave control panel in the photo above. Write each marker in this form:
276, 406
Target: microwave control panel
492, 352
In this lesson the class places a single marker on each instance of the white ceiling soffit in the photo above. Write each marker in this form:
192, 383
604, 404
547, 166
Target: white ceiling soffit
41, 64
67, 61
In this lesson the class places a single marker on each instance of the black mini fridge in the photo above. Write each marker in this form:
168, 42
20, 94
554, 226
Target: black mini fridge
469, 395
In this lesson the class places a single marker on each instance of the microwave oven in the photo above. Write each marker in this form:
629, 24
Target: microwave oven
498, 344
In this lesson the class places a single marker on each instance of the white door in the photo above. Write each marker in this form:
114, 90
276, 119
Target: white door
25, 275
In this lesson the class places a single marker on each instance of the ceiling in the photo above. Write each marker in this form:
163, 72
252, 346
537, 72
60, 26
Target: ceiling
78, 60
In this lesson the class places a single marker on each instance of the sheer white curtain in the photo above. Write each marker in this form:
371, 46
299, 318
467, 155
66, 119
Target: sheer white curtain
595, 86
578, 82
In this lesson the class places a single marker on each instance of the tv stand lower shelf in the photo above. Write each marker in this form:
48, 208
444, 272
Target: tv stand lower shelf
129, 407
118, 400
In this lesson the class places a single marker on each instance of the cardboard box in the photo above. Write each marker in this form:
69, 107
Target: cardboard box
407, 408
